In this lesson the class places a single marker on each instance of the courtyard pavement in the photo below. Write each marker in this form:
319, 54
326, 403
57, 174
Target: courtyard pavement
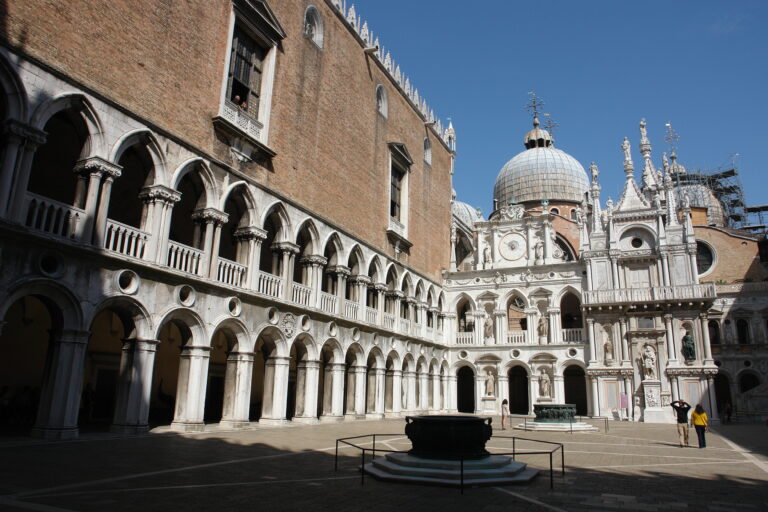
633, 467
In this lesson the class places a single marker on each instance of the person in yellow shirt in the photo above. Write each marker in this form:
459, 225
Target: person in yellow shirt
700, 423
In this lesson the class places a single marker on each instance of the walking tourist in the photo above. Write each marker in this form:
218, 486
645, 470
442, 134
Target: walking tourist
700, 423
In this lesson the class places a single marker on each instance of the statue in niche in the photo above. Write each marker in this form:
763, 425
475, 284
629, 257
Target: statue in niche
543, 326
539, 250
488, 327
649, 363
490, 383
545, 384
608, 345
689, 347
486, 257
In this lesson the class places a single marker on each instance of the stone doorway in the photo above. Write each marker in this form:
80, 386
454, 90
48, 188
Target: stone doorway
518, 390
465, 390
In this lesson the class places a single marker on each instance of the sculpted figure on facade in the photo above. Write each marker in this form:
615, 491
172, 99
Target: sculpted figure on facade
649, 363
626, 148
487, 259
539, 251
543, 326
490, 383
689, 347
545, 384
488, 327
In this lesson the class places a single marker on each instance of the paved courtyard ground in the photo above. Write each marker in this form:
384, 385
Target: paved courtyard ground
631, 467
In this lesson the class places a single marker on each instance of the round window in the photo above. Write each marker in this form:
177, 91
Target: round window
637, 242
704, 257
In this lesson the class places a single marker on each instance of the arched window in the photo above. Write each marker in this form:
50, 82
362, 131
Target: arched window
555, 211
742, 331
748, 381
427, 151
313, 26
714, 332
381, 100
573, 214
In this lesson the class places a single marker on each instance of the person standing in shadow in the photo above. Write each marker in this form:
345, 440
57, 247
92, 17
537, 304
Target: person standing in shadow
700, 423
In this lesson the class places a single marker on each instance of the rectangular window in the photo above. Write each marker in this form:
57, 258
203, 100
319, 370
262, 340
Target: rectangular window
395, 192
245, 72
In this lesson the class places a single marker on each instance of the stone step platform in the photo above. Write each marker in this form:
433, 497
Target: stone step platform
493, 470
536, 426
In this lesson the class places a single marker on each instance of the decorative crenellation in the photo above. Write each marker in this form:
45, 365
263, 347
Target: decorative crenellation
446, 133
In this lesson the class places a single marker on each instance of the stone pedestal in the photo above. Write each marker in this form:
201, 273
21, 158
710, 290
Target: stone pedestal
653, 411
488, 404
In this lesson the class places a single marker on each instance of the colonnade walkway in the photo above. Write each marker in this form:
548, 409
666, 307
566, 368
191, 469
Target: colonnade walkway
634, 466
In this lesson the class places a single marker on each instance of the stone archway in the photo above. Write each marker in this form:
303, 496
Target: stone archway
575, 383
519, 402
723, 394
465, 390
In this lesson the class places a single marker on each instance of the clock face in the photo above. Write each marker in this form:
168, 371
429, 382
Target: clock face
512, 247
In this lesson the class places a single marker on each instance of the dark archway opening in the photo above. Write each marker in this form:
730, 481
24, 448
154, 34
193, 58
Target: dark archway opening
465, 390
518, 390
723, 392
575, 384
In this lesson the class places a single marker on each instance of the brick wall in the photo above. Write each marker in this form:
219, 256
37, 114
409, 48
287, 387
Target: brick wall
737, 259
165, 60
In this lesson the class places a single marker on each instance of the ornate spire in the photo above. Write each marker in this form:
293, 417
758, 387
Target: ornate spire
649, 173
629, 166
597, 215
631, 197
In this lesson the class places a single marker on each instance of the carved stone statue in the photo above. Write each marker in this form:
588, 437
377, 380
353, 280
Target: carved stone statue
490, 383
625, 146
488, 327
545, 387
486, 256
539, 250
689, 347
643, 131
594, 172
649, 363
543, 326
608, 348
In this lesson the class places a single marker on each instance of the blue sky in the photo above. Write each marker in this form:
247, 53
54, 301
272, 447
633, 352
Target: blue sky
600, 66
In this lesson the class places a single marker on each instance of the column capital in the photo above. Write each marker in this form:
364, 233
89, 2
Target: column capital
668, 317
360, 279
314, 260
623, 321
160, 194
279, 361
397, 294
499, 313
250, 233
99, 166
380, 287
553, 310
590, 321
210, 215
338, 269
285, 247
140, 344
704, 315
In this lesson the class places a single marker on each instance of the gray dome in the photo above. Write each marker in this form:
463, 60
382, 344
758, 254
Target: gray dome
466, 214
701, 196
541, 173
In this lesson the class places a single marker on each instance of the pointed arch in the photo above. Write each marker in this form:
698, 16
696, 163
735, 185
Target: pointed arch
241, 187
406, 284
333, 242
419, 293
201, 168
356, 261
375, 270
278, 210
145, 139
307, 228
463, 296
392, 278
95, 145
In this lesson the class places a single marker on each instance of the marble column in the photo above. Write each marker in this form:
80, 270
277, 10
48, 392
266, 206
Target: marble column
397, 390
705, 341
559, 388
712, 393
336, 411
380, 394
451, 398
591, 335
360, 389
555, 331
500, 326
673, 385
671, 348
237, 390
624, 346
307, 376
436, 401
276, 375
424, 391
158, 203
595, 396
134, 387
190, 389
59, 404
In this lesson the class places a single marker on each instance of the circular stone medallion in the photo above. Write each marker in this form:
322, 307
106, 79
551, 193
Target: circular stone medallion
512, 247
